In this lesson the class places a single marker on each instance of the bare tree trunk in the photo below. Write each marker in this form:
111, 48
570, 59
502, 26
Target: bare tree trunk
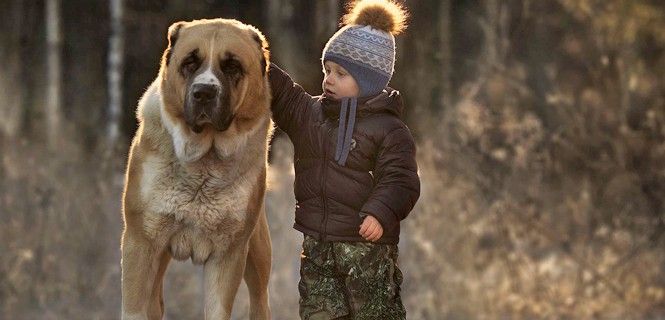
538, 54
115, 71
418, 62
327, 18
54, 71
495, 30
445, 54
11, 105
279, 14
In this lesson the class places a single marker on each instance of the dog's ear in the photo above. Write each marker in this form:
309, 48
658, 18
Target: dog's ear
174, 30
263, 46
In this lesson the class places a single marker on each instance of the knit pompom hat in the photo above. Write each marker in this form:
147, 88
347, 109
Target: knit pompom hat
365, 46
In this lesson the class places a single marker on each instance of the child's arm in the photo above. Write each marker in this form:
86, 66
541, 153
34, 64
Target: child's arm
291, 105
397, 185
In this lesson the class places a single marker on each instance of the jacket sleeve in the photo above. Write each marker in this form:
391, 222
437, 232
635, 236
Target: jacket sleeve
291, 104
397, 186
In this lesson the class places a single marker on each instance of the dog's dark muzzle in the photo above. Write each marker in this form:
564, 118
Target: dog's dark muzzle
207, 104
205, 94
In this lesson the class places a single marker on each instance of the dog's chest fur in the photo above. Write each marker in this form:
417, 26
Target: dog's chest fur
198, 207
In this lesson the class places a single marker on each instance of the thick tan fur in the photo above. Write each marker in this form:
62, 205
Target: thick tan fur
199, 196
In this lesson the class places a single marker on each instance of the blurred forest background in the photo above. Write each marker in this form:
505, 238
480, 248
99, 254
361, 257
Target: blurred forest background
541, 134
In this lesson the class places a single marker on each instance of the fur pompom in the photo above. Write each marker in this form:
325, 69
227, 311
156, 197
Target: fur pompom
385, 15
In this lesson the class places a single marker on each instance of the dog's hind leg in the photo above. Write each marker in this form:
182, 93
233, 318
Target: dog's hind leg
257, 270
140, 266
223, 275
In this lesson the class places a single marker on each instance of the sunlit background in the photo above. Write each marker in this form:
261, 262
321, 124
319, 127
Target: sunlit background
540, 127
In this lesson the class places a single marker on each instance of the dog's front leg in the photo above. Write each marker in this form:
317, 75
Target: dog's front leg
156, 304
257, 270
141, 265
223, 275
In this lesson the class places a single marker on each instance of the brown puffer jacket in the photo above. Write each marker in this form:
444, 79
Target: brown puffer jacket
365, 166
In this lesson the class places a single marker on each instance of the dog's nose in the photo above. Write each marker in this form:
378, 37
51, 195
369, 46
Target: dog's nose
203, 93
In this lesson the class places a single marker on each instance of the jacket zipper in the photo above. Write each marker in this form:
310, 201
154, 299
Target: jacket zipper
324, 223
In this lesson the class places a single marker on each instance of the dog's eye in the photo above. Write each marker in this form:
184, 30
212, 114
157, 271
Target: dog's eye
190, 65
231, 67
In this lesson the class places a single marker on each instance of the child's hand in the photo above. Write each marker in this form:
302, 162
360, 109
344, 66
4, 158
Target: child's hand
371, 229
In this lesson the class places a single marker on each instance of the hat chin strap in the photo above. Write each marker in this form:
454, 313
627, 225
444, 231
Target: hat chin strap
345, 130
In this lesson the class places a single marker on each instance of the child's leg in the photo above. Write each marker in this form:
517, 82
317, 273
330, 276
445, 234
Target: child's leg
321, 287
373, 281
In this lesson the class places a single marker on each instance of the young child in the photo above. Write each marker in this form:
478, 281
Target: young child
356, 174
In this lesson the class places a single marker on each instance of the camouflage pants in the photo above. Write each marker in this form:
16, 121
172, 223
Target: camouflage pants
349, 280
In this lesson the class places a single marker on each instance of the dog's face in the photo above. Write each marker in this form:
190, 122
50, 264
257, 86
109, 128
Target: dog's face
213, 72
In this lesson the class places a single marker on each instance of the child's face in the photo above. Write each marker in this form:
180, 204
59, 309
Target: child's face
337, 82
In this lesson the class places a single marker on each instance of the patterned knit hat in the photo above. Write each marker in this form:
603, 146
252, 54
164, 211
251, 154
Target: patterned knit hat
365, 46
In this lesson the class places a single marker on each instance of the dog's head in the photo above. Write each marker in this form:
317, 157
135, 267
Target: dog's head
214, 74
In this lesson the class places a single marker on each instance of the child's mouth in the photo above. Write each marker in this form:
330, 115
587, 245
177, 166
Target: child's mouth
329, 93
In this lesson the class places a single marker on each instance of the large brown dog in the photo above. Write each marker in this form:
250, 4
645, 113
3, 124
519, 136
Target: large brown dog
196, 176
